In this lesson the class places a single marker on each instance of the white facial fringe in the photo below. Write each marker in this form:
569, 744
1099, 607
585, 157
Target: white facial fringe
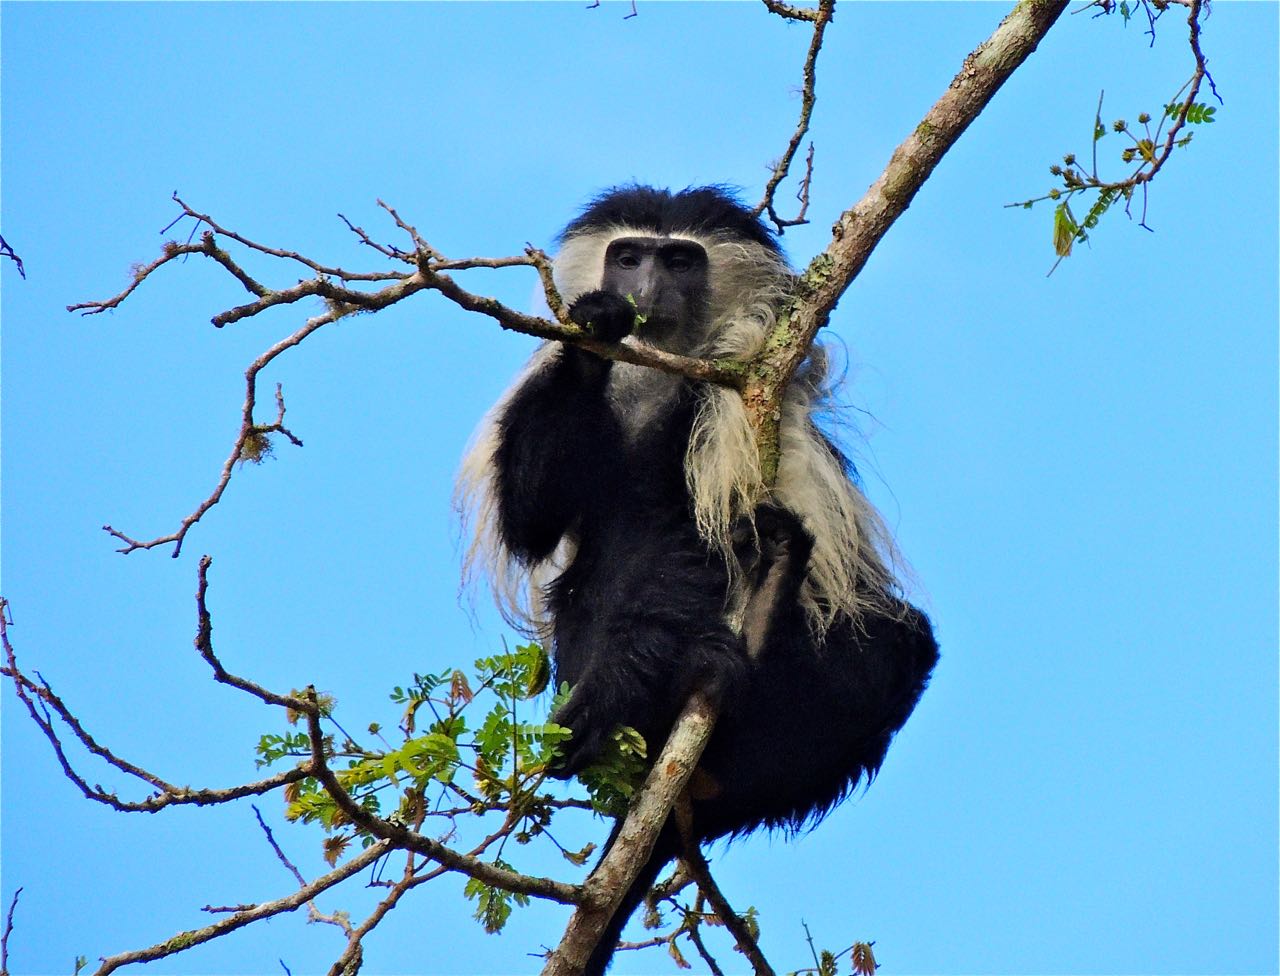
850, 570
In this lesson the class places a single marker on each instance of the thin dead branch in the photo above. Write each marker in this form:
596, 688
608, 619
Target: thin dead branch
8, 252
252, 441
700, 871
192, 937
43, 704
821, 16
8, 931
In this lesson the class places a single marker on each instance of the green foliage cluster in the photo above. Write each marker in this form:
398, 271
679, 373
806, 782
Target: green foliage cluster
1144, 148
1148, 148
493, 905
467, 747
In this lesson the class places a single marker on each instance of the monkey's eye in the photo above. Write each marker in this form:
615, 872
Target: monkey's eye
679, 263
627, 259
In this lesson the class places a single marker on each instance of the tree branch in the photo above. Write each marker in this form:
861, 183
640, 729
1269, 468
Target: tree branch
404, 838
192, 937
252, 443
42, 704
8, 252
8, 930
860, 228
604, 889
747, 945
855, 235
808, 95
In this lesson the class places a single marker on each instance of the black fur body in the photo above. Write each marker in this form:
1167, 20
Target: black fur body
638, 606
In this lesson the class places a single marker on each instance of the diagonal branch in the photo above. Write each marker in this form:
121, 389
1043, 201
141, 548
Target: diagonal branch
631, 849
860, 228
43, 704
404, 838
828, 276
191, 937
747, 945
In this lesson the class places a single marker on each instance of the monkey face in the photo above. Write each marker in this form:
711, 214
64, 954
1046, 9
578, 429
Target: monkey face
666, 277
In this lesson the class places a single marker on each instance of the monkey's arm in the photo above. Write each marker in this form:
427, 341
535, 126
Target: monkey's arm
559, 442
775, 558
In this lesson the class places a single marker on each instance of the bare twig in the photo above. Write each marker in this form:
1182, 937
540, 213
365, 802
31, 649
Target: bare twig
389, 250
192, 937
204, 645
42, 704
859, 229
349, 961
747, 945
8, 252
821, 16
276, 252
8, 930
314, 914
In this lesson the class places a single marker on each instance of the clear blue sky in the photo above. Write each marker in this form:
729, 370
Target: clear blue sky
1081, 468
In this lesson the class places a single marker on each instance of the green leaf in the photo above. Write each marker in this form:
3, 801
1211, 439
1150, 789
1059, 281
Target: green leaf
493, 905
539, 671
1064, 230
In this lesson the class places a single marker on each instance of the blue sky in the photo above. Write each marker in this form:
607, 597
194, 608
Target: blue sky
1081, 469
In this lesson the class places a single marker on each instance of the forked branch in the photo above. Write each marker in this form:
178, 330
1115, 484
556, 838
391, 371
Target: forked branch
820, 16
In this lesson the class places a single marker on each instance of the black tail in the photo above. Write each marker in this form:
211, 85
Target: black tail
665, 850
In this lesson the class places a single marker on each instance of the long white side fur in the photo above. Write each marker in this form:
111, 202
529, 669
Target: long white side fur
850, 569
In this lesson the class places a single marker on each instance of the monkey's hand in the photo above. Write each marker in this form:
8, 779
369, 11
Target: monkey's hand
591, 725
772, 539
605, 315
647, 691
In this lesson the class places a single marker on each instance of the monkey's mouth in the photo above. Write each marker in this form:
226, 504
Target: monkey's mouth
655, 323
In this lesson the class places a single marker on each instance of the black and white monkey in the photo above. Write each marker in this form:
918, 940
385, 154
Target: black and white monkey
620, 511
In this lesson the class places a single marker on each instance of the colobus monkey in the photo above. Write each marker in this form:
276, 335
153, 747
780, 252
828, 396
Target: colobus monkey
620, 511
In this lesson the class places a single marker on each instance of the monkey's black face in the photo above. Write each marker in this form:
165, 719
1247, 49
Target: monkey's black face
667, 278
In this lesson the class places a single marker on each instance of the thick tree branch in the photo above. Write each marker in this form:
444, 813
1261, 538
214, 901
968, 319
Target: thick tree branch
855, 235
789, 11
613, 875
859, 229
